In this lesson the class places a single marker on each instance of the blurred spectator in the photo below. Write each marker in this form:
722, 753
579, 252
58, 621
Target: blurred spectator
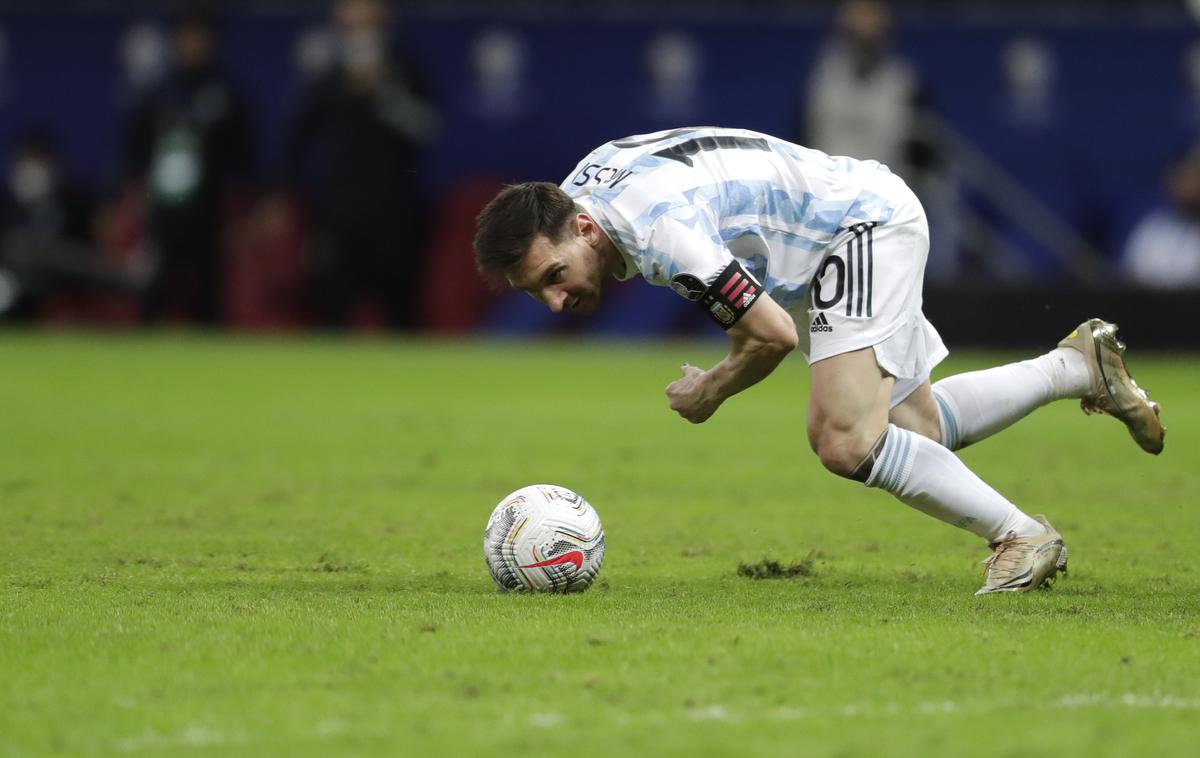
145, 58
189, 141
496, 109
46, 244
1163, 250
1029, 74
268, 281
499, 62
863, 99
366, 126
314, 53
674, 63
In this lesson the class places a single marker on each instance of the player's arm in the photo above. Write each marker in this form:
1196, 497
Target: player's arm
758, 341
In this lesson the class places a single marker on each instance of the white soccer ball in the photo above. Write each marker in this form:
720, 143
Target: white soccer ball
544, 538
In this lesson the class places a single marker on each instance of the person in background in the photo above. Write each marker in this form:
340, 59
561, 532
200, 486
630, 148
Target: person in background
145, 56
674, 64
189, 143
1163, 251
46, 241
500, 87
359, 138
862, 98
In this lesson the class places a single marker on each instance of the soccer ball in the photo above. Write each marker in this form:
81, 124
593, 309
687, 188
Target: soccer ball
544, 538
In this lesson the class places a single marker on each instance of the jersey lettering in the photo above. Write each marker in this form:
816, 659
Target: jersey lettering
684, 151
839, 283
630, 142
594, 173
853, 275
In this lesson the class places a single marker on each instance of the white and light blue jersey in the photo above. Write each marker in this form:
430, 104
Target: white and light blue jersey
690, 201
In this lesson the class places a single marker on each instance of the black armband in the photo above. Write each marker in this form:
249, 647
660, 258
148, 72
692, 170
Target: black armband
727, 298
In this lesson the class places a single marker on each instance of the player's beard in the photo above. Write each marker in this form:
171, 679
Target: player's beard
588, 302
590, 293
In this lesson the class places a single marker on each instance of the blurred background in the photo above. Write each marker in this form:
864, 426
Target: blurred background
284, 166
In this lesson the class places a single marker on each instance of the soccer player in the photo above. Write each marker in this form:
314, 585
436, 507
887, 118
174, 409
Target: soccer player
787, 247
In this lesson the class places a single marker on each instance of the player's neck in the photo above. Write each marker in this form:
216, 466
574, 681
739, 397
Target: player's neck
610, 257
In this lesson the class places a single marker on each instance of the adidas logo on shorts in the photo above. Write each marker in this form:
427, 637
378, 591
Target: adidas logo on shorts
820, 324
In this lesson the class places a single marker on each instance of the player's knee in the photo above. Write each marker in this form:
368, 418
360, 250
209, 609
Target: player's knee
841, 458
842, 450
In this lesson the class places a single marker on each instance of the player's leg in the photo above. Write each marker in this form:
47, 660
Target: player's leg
918, 412
849, 402
848, 429
872, 349
977, 404
1087, 365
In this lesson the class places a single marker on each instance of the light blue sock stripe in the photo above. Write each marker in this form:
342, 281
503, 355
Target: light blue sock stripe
901, 459
895, 441
876, 477
890, 449
886, 455
889, 468
949, 429
949, 423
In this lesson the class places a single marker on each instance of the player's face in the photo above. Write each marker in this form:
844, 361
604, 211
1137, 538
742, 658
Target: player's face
566, 276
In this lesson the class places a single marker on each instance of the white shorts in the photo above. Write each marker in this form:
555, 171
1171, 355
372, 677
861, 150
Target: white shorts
867, 293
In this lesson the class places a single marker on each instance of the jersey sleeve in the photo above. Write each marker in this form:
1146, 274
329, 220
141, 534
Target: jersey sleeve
681, 248
682, 241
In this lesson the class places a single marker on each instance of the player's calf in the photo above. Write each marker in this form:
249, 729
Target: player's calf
919, 412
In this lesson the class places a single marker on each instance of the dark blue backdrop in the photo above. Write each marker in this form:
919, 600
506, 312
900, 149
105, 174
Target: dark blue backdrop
1122, 100
1121, 88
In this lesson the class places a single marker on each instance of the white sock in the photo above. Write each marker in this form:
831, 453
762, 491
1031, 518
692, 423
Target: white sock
976, 405
930, 478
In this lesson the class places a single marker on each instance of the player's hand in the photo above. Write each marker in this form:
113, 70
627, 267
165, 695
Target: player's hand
690, 395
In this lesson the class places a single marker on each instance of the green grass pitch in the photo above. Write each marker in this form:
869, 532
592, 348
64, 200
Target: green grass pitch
273, 547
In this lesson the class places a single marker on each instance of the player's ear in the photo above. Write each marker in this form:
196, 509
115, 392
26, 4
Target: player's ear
586, 227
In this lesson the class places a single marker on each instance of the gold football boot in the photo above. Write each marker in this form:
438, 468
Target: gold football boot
1021, 564
1113, 390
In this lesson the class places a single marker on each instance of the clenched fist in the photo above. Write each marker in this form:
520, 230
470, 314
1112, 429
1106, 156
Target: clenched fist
692, 396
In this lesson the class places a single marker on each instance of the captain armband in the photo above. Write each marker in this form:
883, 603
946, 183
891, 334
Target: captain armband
727, 298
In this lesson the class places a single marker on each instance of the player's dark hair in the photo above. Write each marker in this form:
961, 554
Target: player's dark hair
509, 224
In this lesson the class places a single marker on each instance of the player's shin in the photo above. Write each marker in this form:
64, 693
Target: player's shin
926, 476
